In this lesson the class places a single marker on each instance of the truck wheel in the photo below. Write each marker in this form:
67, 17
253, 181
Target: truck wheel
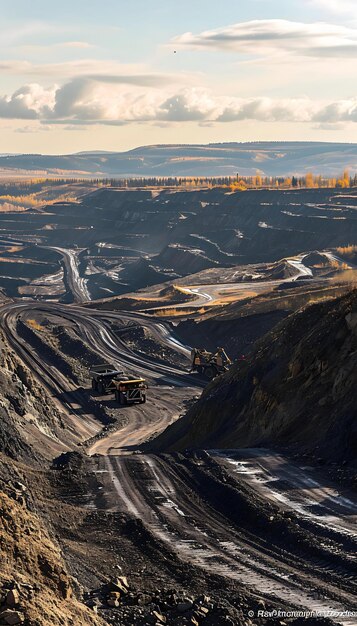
117, 397
122, 398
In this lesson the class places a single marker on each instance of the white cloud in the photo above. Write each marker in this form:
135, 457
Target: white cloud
34, 128
326, 126
29, 102
81, 67
73, 44
260, 37
339, 7
343, 111
84, 101
13, 34
29, 48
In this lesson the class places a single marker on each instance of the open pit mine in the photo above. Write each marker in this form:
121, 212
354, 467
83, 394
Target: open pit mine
178, 417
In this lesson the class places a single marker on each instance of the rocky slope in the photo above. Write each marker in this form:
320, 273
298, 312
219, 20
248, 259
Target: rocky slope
29, 419
36, 588
297, 388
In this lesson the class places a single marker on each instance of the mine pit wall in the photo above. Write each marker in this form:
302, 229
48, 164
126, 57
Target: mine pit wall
296, 390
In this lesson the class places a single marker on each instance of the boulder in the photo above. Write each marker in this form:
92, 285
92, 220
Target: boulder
184, 606
202, 611
144, 599
120, 584
114, 598
19, 486
12, 617
12, 598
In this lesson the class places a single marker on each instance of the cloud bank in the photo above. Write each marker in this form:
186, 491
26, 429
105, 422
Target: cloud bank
259, 37
125, 100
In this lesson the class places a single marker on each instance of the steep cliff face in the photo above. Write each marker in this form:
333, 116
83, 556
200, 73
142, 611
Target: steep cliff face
299, 387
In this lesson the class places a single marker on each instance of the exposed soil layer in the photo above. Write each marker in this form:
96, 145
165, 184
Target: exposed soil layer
120, 241
31, 423
236, 336
36, 587
297, 387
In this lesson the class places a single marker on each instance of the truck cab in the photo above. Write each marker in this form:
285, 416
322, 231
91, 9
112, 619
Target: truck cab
130, 391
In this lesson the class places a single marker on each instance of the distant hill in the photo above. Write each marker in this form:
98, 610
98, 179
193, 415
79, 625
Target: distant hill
269, 158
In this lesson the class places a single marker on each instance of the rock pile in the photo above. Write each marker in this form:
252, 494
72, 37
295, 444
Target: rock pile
12, 599
119, 605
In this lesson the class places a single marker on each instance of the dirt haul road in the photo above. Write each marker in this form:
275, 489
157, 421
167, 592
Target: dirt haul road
193, 508
296, 488
170, 386
75, 283
252, 518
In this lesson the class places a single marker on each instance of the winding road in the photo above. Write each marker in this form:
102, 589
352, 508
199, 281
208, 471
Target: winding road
170, 499
75, 283
209, 293
94, 329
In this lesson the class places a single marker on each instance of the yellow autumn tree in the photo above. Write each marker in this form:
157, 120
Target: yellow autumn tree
238, 185
344, 181
309, 180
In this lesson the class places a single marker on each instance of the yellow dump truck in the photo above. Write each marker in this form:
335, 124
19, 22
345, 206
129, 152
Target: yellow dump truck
130, 390
103, 377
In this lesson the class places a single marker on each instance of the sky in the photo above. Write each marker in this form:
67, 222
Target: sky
82, 75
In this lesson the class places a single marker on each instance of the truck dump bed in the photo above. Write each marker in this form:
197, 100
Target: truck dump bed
104, 370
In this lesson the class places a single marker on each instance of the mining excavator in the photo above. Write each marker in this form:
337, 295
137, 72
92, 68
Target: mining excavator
210, 364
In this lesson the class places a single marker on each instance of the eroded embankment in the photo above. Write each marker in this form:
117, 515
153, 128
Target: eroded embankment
297, 388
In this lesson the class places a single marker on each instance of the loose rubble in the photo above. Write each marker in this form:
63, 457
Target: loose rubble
12, 601
166, 606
